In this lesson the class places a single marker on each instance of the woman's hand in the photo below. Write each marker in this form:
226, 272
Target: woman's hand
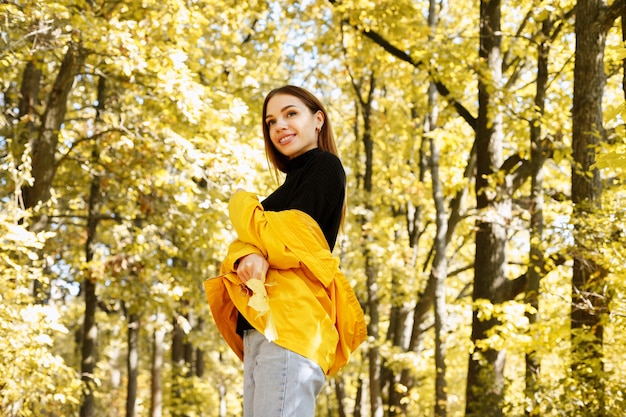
252, 266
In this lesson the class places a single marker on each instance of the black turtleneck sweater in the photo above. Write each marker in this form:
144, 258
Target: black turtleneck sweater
315, 184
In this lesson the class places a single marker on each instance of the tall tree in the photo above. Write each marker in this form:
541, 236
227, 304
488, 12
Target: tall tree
89, 334
439, 268
485, 378
364, 90
536, 261
589, 296
440, 262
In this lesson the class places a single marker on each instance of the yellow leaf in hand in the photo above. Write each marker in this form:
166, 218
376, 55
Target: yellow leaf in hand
258, 301
256, 285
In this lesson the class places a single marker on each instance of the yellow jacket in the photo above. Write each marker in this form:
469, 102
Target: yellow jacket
314, 309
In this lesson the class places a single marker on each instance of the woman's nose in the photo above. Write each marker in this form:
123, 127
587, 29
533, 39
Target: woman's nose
281, 123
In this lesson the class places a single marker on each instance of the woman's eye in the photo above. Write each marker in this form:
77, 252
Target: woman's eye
291, 114
270, 122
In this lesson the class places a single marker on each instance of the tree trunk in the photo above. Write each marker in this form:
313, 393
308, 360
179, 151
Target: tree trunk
156, 386
536, 262
485, 379
199, 363
439, 269
340, 394
398, 336
44, 145
371, 270
27, 133
132, 364
178, 350
623, 16
90, 330
222, 390
89, 337
440, 272
358, 399
374, 360
588, 300
29, 100
178, 364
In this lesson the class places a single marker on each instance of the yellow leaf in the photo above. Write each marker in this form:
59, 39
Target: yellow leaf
256, 285
258, 300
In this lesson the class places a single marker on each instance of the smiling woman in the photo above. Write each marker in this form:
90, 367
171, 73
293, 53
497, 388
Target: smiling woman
310, 320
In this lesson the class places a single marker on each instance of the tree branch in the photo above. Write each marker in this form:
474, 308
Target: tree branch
404, 56
611, 13
441, 87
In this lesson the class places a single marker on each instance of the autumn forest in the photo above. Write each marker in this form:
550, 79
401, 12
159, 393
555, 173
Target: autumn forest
485, 236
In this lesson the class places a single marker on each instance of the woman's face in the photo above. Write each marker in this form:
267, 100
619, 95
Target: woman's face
291, 125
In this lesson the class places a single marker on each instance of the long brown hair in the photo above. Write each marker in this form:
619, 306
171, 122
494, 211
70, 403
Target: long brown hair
326, 138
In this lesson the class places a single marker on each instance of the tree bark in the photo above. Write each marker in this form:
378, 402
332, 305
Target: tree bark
536, 262
156, 386
44, 145
358, 399
623, 16
132, 364
340, 394
375, 362
485, 379
222, 390
88, 287
29, 100
588, 299
178, 361
439, 269
89, 337
398, 336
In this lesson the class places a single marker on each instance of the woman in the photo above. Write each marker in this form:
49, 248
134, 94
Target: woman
314, 320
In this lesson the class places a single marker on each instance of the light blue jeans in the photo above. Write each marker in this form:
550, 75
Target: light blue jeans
276, 381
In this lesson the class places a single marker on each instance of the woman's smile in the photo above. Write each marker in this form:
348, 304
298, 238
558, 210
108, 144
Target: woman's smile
286, 139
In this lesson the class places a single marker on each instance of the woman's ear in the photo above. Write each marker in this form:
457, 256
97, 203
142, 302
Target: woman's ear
319, 120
